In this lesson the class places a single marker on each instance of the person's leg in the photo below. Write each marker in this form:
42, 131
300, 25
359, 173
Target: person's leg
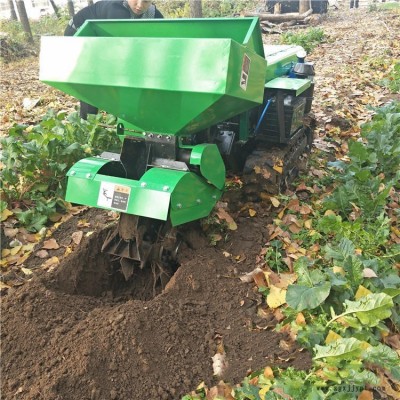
86, 109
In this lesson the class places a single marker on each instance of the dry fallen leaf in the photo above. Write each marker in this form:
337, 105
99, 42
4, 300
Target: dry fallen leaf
252, 212
275, 202
362, 292
11, 232
369, 273
26, 271
223, 215
366, 395
219, 363
276, 297
77, 237
249, 277
42, 254
51, 262
50, 244
5, 214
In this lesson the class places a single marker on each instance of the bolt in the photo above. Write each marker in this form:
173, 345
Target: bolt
143, 184
168, 137
150, 135
214, 196
198, 201
165, 188
88, 175
179, 205
72, 173
159, 136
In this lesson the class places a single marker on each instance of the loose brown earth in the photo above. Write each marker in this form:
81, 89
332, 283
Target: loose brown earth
67, 334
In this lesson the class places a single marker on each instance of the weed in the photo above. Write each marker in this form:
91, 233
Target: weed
308, 39
35, 160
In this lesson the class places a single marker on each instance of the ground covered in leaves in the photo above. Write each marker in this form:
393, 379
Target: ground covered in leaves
66, 334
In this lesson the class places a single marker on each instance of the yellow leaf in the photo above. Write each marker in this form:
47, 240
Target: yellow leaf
28, 247
68, 251
22, 259
51, 262
329, 212
264, 390
300, 320
275, 202
252, 212
280, 215
395, 231
26, 271
276, 297
362, 292
332, 337
278, 168
5, 214
364, 345
15, 250
5, 253
308, 224
338, 270
285, 280
268, 373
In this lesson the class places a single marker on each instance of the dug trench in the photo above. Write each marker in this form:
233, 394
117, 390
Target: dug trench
67, 334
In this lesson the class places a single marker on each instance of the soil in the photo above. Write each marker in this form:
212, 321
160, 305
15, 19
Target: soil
70, 333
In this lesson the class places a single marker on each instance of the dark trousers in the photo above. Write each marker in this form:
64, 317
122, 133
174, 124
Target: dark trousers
354, 3
87, 109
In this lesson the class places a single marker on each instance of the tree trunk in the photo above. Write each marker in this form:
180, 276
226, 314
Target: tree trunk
195, 9
71, 10
13, 14
304, 6
55, 8
24, 20
279, 17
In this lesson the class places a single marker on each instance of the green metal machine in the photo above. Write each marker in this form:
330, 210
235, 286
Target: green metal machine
194, 98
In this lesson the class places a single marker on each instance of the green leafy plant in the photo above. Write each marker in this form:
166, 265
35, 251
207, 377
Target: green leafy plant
311, 289
392, 80
210, 8
36, 158
273, 256
373, 167
308, 39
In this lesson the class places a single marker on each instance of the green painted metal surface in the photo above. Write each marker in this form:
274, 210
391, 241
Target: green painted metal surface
212, 167
296, 85
160, 84
160, 193
280, 59
245, 31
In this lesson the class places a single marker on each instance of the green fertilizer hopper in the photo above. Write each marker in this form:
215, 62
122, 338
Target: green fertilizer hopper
189, 73
193, 97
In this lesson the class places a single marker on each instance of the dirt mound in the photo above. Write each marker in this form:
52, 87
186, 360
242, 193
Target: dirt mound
65, 336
